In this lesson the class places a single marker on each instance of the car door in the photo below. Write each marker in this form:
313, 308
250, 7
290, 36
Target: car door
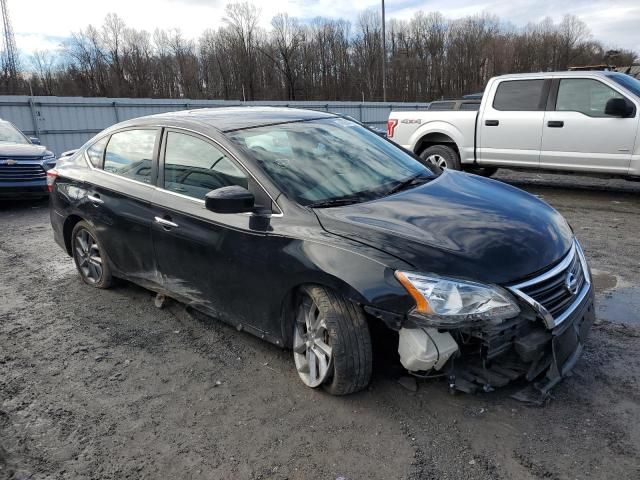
118, 199
578, 135
216, 262
510, 127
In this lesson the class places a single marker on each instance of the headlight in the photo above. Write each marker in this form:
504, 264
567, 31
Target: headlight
49, 160
447, 302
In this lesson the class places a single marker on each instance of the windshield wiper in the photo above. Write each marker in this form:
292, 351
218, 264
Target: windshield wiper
416, 179
337, 202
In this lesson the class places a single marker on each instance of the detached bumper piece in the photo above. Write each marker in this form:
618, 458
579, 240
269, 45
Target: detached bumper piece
522, 349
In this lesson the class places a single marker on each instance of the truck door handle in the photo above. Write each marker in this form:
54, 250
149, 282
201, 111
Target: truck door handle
95, 199
555, 124
492, 123
166, 223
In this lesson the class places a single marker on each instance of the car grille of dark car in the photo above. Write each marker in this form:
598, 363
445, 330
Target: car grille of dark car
23, 171
552, 292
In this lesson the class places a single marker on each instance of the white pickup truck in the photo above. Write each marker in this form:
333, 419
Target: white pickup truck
577, 122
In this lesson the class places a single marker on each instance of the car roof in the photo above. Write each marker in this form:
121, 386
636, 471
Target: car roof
565, 73
228, 119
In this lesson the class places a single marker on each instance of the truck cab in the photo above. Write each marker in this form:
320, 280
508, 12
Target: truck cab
580, 122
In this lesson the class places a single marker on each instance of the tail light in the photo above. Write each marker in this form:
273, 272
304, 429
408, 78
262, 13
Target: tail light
51, 178
391, 127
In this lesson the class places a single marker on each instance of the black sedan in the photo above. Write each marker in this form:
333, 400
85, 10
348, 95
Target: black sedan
306, 228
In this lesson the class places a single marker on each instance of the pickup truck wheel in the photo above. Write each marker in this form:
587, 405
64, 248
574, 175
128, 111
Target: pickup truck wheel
331, 342
439, 157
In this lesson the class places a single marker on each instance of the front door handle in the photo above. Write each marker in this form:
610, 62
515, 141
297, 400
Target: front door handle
492, 123
555, 124
95, 199
166, 223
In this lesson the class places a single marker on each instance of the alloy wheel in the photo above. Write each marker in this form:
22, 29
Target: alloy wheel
437, 161
87, 256
312, 345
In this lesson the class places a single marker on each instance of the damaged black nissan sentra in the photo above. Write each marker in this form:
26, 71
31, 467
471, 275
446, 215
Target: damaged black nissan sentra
304, 228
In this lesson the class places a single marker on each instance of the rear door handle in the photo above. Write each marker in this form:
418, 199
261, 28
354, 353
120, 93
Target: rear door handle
165, 222
492, 123
95, 199
555, 124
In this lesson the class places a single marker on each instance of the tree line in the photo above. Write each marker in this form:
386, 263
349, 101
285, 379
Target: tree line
428, 57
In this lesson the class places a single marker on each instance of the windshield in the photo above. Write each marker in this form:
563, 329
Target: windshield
627, 81
329, 159
10, 134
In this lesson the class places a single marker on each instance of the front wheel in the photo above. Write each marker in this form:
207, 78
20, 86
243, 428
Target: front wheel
331, 342
439, 157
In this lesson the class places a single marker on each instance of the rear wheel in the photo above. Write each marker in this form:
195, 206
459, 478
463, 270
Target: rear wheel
331, 342
440, 157
89, 257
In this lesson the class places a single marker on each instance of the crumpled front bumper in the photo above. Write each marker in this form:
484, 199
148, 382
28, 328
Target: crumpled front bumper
544, 361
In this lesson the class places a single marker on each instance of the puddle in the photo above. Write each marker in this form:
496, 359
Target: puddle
620, 306
616, 301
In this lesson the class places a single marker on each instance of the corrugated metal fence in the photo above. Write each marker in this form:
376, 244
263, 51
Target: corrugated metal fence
65, 123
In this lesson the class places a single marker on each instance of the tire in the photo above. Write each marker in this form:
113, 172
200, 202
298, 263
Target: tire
482, 171
91, 261
335, 322
439, 157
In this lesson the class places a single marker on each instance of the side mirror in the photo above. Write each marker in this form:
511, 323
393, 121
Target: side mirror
34, 140
617, 107
233, 199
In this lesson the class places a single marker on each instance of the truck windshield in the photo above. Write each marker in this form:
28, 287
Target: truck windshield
10, 134
330, 161
627, 81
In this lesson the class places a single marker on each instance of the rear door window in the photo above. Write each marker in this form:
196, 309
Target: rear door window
130, 154
519, 95
194, 167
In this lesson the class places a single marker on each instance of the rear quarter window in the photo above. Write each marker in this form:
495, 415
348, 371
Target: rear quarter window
95, 153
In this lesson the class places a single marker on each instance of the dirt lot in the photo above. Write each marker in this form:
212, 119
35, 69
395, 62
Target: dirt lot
101, 384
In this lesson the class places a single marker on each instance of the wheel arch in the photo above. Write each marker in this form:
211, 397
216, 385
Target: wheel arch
289, 301
69, 223
437, 133
436, 138
374, 289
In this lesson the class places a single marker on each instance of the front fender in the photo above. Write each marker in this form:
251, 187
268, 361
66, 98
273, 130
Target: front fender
360, 273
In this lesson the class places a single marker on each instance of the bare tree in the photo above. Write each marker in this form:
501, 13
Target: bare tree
429, 56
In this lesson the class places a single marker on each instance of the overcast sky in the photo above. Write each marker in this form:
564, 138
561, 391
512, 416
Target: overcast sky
44, 24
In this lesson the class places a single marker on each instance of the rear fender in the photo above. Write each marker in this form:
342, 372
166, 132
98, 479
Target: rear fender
440, 131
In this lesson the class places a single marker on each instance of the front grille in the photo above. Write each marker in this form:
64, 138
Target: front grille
557, 289
21, 172
553, 293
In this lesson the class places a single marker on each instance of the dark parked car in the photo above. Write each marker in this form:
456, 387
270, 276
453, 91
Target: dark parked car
23, 163
305, 228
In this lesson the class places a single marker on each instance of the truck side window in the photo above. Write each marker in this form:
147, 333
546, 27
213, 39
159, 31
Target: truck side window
519, 95
584, 95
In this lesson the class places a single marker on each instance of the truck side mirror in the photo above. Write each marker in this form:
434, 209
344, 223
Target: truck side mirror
618, 107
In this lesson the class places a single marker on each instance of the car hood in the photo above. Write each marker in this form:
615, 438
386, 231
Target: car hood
459, 225
18, 150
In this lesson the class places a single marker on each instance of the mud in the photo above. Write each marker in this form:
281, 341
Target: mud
102, 384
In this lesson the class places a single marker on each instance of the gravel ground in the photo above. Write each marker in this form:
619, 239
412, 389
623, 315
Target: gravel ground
101, 384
